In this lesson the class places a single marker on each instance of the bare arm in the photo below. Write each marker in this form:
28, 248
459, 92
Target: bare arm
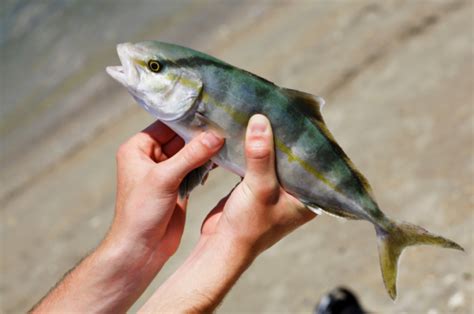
203, 280
147, 227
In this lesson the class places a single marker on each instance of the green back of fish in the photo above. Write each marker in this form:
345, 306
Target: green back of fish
295, 118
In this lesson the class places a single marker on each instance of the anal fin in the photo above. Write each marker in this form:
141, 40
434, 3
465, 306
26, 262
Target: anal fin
316, 210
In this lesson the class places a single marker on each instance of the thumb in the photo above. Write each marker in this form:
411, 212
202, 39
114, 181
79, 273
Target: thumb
192, 155
259, 153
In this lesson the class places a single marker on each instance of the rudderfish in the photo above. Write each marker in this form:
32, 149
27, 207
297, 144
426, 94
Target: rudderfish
192, 92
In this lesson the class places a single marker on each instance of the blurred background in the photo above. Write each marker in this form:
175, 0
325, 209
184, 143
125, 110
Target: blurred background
398, 80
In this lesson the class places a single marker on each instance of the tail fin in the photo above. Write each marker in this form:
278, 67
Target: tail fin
393, 239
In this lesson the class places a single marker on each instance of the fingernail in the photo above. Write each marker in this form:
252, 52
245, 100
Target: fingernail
258, 124
211, 140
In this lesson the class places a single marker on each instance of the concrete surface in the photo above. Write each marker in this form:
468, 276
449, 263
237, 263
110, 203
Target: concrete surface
398, 79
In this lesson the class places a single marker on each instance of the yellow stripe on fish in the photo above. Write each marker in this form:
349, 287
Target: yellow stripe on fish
242, 119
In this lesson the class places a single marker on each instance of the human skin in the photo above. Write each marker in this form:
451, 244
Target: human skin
253, 217
147, 226
149, 221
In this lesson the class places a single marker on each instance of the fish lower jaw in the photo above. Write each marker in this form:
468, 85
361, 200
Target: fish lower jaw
117, 72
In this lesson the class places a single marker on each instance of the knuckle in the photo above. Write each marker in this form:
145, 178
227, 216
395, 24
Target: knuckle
268, 192
258, 150
187, 157
122, 151
264, 190
192, 152
248, 191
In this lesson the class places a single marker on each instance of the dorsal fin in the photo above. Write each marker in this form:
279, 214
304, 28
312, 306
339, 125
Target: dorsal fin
307, 104
310, 106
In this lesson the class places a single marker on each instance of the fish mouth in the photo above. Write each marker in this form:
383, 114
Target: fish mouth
127, 73
117, 73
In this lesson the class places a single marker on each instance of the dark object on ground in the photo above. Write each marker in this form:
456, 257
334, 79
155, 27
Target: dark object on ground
339, 301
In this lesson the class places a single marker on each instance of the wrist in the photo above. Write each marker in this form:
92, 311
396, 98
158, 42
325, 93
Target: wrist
130, 252
123, 270
110, 279
206, 276
230, 257
251, 244
245, 247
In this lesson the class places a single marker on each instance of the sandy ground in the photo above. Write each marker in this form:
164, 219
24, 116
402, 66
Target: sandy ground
398, 79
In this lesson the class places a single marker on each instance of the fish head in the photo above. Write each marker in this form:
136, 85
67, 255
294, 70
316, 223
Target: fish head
155, 80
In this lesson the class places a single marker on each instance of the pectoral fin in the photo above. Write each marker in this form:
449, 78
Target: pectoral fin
207, 124
193, 179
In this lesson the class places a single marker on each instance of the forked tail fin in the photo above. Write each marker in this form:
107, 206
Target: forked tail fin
393, 239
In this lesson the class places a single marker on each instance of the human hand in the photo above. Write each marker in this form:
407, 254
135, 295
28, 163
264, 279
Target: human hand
258, 212
150, 168
147, 227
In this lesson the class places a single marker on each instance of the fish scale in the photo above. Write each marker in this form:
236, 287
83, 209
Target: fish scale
193, 92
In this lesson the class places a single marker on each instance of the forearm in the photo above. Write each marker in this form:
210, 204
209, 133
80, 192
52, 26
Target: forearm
201, 283
108, 280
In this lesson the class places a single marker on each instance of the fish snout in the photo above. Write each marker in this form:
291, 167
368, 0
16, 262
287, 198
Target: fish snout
127, 73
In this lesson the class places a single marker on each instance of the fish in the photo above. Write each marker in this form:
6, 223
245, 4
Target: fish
192, 92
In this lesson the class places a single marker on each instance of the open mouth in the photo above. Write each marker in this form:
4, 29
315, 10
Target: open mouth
125, 72
117, 73
116, 68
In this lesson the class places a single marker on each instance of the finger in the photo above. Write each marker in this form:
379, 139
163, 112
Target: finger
159, 132
147, 142
140, 146
259, 153
173, 146
192, 155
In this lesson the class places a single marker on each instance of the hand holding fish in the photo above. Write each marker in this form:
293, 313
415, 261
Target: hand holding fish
151, 166
149, 220
256, 214
147, 228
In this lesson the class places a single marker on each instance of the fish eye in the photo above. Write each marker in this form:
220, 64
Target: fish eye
154, 66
